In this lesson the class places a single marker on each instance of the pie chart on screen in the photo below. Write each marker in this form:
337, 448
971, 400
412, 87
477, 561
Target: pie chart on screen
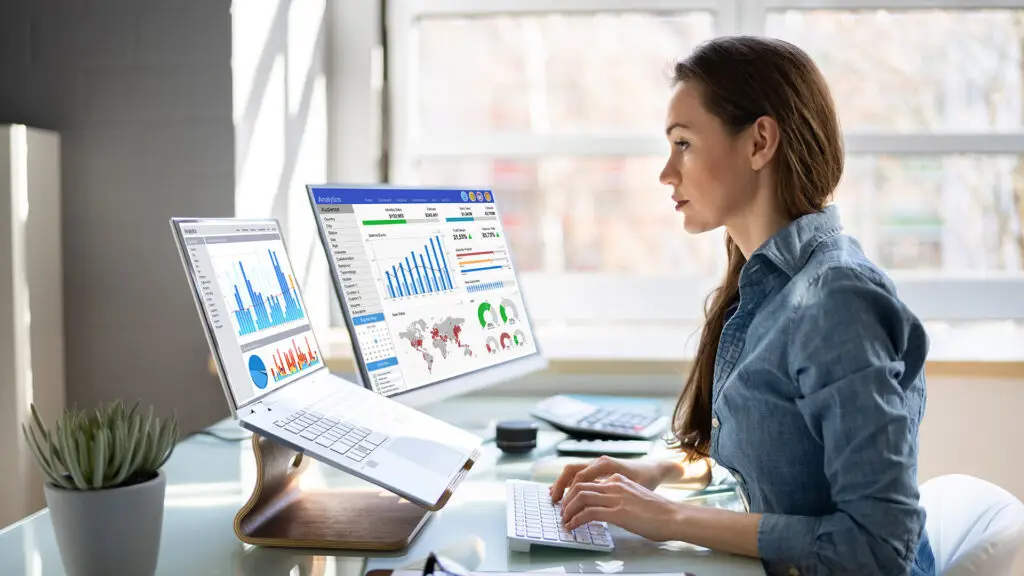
258, 371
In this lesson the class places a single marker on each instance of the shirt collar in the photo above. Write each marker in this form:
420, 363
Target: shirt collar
791, 247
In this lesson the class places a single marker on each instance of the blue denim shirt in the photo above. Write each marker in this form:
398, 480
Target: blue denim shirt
818, 393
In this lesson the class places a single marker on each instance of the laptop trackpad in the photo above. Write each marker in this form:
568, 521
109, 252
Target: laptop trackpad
427, 453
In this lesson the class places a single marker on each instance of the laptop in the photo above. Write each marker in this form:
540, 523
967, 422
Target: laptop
272, 368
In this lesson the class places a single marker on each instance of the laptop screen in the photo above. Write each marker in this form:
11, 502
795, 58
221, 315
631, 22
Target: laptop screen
256, 317
427, 280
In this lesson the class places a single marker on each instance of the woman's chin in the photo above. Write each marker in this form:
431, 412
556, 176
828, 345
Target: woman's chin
695, 226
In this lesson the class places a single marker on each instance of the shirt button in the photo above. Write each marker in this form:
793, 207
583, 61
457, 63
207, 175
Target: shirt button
793, 571
714, 422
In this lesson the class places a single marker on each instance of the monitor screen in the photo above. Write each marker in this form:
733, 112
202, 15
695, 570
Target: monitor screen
427, 281
252, 305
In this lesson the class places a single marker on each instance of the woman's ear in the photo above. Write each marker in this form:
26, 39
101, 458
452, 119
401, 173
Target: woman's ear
764, 134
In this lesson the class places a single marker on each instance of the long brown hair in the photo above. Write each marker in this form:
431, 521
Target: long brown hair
740, 79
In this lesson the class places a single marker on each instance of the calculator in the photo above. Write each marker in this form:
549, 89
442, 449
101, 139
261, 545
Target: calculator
582, 419
602, 447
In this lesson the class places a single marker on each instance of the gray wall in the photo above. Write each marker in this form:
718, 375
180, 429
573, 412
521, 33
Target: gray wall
141, 94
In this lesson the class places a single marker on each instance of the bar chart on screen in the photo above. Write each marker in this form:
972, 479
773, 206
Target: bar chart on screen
280, 361
411, 267
258, 287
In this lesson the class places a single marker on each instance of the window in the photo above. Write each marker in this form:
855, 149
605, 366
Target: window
560, 105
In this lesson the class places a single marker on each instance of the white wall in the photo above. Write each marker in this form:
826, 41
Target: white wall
974, 426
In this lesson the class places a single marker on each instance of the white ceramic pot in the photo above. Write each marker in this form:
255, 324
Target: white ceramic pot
110, 531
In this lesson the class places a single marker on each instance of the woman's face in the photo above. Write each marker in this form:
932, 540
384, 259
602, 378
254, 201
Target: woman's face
708, 169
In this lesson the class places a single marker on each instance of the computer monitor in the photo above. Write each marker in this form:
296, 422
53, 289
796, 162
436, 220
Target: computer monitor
427, 287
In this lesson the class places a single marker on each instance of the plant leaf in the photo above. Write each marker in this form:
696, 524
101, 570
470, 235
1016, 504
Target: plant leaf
133, 446
99, 458
47, 469
84, 454
171, 441
67, 445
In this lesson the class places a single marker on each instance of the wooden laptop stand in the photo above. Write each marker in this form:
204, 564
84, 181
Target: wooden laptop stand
280, 513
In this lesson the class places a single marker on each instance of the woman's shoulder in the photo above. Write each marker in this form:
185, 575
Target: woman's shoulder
839, 267
841, 297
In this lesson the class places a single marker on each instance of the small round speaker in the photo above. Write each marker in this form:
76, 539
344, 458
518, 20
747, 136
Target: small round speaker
516, 436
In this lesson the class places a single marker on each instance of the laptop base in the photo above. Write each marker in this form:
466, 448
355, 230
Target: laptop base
280, 513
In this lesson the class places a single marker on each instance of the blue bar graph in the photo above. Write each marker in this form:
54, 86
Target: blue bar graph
485, 286
444, 263
433, 270
265, 312
426, 275
422, 272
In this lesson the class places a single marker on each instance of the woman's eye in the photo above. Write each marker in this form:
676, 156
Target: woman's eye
682, 144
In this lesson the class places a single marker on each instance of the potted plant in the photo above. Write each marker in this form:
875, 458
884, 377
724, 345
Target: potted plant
105, 486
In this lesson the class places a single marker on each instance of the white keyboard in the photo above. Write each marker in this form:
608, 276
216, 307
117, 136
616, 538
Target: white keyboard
533, 520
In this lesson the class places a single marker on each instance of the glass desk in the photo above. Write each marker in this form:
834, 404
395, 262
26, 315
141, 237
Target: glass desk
209, 479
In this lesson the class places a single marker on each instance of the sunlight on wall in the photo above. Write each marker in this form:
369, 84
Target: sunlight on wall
261, 169
281, 130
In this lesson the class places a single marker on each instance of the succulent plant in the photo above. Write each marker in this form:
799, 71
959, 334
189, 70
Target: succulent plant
105, 448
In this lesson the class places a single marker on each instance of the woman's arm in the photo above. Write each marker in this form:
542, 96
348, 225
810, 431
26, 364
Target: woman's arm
686, 475
631, 506
718, 529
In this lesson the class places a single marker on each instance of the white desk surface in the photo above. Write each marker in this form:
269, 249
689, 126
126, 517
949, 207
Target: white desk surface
208, 480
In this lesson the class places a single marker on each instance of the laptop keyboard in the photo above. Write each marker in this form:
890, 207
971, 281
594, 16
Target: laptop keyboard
345, 438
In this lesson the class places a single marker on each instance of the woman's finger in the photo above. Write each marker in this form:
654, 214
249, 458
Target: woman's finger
597, 469
581, 473
585, 500
598, 487
568, 473
591, 515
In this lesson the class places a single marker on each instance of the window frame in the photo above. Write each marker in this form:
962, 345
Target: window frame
945, 297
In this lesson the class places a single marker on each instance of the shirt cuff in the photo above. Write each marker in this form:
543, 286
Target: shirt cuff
784, 541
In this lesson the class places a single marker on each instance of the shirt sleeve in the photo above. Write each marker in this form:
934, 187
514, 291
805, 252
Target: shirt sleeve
857, 356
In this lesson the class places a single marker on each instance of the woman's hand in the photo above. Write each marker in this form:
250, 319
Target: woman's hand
624, 503
647, 473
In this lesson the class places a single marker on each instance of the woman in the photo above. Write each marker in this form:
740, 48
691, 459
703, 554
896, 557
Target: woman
808, 384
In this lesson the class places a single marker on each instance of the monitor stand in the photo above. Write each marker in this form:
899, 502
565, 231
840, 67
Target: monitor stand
280, 513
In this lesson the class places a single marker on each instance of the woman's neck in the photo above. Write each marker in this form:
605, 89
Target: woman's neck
759, 222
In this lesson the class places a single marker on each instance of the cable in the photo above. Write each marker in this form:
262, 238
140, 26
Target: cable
223, 437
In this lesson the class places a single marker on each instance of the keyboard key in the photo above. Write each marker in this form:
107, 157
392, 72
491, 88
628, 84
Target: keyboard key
324, 441
339, 447
281, 423
309, 435
375, 438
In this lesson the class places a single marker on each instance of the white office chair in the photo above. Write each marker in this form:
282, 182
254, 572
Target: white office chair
974, 526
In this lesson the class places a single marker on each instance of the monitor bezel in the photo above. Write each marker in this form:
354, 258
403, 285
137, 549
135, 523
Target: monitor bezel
215, 349
462, 384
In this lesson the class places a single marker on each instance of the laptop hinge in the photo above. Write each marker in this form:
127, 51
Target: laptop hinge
258, 407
